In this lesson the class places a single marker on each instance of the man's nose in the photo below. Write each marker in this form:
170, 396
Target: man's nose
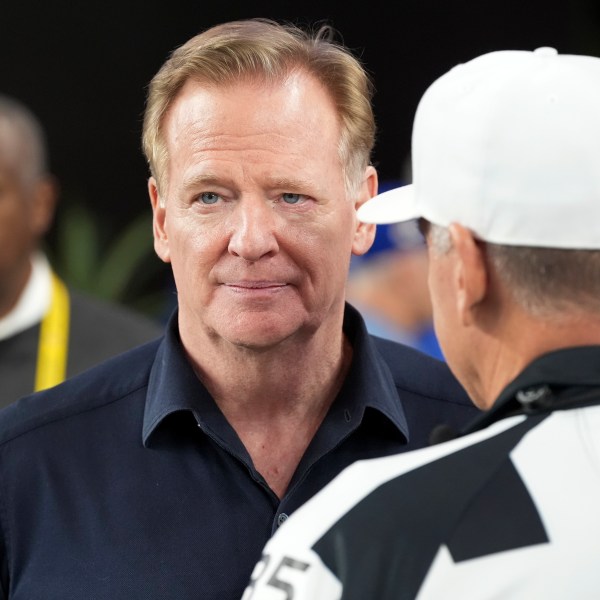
253, 229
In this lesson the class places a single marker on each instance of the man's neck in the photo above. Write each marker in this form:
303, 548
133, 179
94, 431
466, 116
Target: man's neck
525, 340
276, 399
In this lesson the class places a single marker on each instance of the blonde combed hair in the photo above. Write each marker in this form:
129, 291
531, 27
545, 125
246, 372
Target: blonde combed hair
262, 49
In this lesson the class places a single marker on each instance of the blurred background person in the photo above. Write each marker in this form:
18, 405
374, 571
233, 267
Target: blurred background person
47, 331
388, 285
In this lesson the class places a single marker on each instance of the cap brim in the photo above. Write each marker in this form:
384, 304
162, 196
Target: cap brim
393, 206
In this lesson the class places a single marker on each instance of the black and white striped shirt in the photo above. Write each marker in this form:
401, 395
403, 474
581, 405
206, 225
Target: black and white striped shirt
508, 511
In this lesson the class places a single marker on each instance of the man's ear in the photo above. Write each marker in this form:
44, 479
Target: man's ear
471, 276
159, 219
364, 234
44, 199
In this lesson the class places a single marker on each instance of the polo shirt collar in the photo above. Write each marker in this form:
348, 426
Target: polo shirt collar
369, 383
173, 385
576, 367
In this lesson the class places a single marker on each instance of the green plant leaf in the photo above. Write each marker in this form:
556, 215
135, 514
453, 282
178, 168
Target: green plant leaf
78, 247
123, 257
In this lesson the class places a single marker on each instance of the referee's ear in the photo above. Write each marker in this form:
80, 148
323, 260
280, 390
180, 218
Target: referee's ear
471, 274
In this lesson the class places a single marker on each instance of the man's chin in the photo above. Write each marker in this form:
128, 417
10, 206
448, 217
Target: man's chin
258, 340
261, 331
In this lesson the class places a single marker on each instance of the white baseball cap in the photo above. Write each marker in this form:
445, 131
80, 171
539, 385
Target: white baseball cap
507, 145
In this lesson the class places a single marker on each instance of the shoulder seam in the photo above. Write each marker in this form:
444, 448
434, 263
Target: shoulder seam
65, 417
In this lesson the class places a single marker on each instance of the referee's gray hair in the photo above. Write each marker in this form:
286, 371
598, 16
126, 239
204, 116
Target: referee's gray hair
545, 282
438, 237
22, 136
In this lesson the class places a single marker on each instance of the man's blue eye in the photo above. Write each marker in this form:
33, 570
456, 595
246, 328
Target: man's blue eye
290, 198
208, 198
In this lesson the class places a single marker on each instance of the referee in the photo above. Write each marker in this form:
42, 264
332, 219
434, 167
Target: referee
506, 158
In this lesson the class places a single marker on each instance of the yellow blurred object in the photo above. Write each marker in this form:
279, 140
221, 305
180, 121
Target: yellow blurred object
53, 346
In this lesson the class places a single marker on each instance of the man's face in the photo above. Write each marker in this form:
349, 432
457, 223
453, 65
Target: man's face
460, 343
256, 221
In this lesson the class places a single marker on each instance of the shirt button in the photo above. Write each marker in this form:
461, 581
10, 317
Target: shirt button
281, 519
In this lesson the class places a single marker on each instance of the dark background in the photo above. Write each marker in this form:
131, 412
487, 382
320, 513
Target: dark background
83, 67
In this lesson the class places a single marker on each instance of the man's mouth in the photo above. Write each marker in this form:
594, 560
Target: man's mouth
256, 285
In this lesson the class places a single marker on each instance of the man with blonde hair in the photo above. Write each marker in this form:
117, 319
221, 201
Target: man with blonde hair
191, 452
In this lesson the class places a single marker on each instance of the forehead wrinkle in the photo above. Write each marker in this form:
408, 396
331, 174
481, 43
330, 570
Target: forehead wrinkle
200, 180
261, 141
206, 150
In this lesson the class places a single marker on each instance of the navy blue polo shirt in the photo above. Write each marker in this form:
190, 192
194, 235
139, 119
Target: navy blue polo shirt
127, 482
